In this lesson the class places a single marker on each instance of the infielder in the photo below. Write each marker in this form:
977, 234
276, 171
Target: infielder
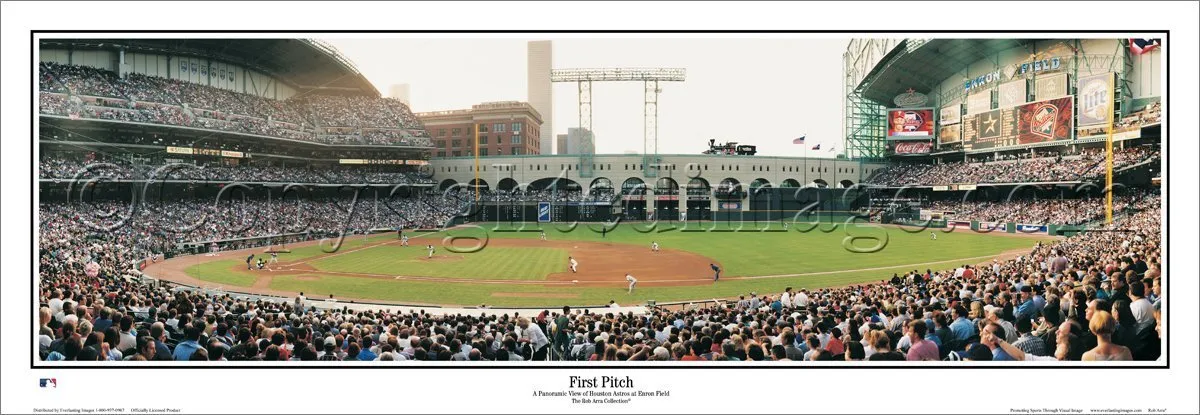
543, 235
632, 282
430, 248
654, 247
404, 240
249, 261
573, 263
716, 272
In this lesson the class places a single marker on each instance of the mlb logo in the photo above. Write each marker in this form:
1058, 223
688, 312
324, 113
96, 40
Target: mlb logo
48, 382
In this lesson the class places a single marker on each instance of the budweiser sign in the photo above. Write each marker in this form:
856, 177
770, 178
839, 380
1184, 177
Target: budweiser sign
914, 147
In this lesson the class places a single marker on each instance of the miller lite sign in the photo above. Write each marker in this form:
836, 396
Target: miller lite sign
1094, 99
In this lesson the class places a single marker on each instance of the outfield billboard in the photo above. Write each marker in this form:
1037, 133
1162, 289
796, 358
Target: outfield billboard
950, 114
1024, 228
1012, 93
1095, 99
993, 226
913, 147
979, 102
950, 134
1050, 86
910, 123
1035, 122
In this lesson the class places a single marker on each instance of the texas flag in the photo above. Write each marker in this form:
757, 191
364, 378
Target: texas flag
817, 147
1140, 46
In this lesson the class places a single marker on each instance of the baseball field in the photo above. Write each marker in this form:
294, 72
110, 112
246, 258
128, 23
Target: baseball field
501, 265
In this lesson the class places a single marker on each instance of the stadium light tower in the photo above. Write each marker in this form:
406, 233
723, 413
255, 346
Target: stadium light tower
650, 76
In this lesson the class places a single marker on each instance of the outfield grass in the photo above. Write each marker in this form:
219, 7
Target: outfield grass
753, 253
221, 272
489, 263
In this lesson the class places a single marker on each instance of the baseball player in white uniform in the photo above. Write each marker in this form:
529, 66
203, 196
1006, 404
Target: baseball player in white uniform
654, 246
274, 259
573, 263
632, 282
430, 248
404, 240
542, 236
933, 236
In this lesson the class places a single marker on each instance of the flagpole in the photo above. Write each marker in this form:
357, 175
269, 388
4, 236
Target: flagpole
1108, 155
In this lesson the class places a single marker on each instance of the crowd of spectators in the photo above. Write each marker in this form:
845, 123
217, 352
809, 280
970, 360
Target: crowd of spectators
1094, 296
1037, 211
358, 111
357, 120
67, 167
1089, 164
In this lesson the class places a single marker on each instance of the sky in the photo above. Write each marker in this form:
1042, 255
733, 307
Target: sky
760, 91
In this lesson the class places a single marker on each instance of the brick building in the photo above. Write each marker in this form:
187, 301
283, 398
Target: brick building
505, 128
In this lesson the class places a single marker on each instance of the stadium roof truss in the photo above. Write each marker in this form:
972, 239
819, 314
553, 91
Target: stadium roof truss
304, 64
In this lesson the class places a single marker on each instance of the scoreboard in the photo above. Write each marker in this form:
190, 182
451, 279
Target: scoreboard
1031, 123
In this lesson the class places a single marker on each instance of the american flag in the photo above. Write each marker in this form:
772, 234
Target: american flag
817, 147
1140, 46
798, 140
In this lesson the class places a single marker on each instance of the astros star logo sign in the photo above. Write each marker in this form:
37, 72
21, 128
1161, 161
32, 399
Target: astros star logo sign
991, 124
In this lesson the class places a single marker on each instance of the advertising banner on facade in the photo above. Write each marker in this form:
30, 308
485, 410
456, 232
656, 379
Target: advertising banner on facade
1012, 93
910, 123
950, 114
979, 102
1050, 86
949, 134
1095, 96
913, 147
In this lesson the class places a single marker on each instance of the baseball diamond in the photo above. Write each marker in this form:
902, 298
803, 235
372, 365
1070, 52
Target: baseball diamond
260, 199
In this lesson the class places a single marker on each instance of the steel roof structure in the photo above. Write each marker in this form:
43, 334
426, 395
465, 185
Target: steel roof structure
308, 65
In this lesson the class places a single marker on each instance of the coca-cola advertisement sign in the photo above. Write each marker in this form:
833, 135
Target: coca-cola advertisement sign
913, 147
